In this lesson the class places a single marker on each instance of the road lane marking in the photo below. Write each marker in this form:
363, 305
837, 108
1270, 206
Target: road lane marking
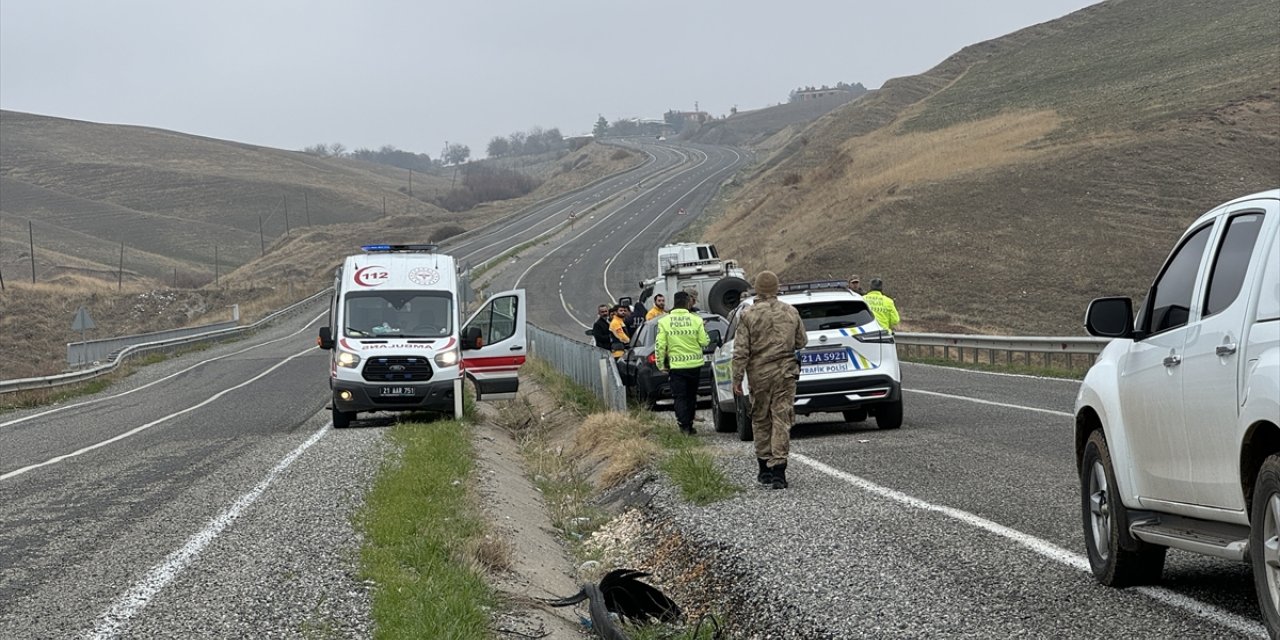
133, 601
991, 402
139, 429
173, 375
1043, 548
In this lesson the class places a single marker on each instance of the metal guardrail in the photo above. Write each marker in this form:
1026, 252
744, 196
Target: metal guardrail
587, 365
133, 351
1034, 350
92, 352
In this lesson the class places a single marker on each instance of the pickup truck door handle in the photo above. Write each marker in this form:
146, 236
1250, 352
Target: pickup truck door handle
1172, 360
1226, 349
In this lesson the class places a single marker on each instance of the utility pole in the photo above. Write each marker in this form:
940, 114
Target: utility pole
31, 239
120, 272
306, 205
286, 216
262, 239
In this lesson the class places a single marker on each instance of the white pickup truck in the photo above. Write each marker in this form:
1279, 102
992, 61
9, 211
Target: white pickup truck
1178, 422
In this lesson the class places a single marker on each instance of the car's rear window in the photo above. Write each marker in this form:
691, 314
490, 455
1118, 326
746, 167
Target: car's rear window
834, 314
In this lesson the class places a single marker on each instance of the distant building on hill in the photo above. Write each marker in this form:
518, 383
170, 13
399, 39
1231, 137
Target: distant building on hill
814, 93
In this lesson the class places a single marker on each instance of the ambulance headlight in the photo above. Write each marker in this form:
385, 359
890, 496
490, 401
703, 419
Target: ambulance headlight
447, 358
348, 360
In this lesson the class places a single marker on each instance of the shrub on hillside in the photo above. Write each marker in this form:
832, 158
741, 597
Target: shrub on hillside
790, 179
620, 154
484, 183
445, 232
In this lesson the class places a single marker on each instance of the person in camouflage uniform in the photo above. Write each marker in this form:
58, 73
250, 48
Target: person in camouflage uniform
764, 349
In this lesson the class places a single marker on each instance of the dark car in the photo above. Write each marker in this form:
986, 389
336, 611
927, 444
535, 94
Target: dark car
639, 368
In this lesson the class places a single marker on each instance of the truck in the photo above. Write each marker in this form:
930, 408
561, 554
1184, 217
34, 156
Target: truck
1177, 423
698, 268
397, 340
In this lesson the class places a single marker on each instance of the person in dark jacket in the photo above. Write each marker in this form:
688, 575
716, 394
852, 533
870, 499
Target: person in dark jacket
636, 319
600, 330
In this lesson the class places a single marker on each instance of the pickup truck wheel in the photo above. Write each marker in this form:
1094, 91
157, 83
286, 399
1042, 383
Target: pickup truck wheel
724, 421
1117, 560
889, 415
1264, 543
342, 419
742, 413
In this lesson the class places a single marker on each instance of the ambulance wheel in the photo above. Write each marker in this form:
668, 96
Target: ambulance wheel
342, 419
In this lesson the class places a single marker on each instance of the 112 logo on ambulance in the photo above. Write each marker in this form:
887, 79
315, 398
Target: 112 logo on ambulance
372, 276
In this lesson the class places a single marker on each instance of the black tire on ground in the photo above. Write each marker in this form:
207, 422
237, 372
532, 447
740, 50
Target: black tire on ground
342, 419
889, 415
723, 421
854, 416
1264, 546
725, 295
742, 418
1116, 559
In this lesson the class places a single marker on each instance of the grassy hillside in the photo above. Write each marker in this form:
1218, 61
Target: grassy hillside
755, 126
87, 188
1019, 178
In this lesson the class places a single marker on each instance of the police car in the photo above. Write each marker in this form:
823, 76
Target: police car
849, 366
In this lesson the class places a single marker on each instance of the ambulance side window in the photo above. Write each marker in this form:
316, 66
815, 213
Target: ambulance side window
498, 321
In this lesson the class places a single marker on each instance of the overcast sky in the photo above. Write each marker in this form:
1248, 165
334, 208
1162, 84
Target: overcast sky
291, 73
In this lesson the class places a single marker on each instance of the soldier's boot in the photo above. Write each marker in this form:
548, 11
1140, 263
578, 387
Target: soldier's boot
779, 477
765, 477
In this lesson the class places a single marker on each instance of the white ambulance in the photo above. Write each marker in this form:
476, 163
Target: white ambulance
397, 340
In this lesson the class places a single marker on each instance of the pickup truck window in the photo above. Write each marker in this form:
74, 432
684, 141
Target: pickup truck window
1232, 261
1172, 305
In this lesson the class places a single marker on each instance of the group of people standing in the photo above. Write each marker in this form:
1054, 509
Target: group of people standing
768, 336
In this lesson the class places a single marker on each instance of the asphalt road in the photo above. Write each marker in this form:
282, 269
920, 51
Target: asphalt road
207, 496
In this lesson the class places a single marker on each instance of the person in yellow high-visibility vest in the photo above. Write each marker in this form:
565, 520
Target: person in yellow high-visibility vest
882, 306
659, 307
678, 351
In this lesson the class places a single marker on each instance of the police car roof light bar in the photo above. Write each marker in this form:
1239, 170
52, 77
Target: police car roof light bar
817, 285
391, 248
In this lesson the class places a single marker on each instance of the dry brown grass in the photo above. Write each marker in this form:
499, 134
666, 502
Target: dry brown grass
491, 553
621, 441
1001, 190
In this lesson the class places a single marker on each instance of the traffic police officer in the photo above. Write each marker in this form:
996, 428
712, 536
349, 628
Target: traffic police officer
764, 348
681, 340
882, 306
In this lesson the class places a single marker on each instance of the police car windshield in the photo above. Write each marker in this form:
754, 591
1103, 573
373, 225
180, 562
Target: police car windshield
398, 314
834, 314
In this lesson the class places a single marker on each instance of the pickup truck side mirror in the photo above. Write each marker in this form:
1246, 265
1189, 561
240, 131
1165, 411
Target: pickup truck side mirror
1110, 318
472, 338
325, 339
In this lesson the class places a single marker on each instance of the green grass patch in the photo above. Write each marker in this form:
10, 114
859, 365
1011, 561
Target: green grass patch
700, 480
417, 520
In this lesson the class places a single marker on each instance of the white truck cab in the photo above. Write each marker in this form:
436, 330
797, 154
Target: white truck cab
697, 267
1178, 421
399, 344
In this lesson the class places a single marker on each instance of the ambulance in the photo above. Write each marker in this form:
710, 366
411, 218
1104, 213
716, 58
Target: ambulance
398, 342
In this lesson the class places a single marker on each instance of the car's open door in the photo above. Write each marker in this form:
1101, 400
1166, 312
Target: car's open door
494, 345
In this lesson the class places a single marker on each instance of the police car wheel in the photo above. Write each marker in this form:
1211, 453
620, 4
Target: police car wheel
742, 412
724, 421
854, 416
889, 415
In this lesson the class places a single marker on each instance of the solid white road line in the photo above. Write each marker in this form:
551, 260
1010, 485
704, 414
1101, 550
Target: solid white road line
1041, 547
173, 375
990, 402
134, 600
136, 430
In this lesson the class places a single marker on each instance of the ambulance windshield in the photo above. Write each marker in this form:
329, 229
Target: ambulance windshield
398, 314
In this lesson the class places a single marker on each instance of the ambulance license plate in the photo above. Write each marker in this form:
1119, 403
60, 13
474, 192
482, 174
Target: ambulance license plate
396, 392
